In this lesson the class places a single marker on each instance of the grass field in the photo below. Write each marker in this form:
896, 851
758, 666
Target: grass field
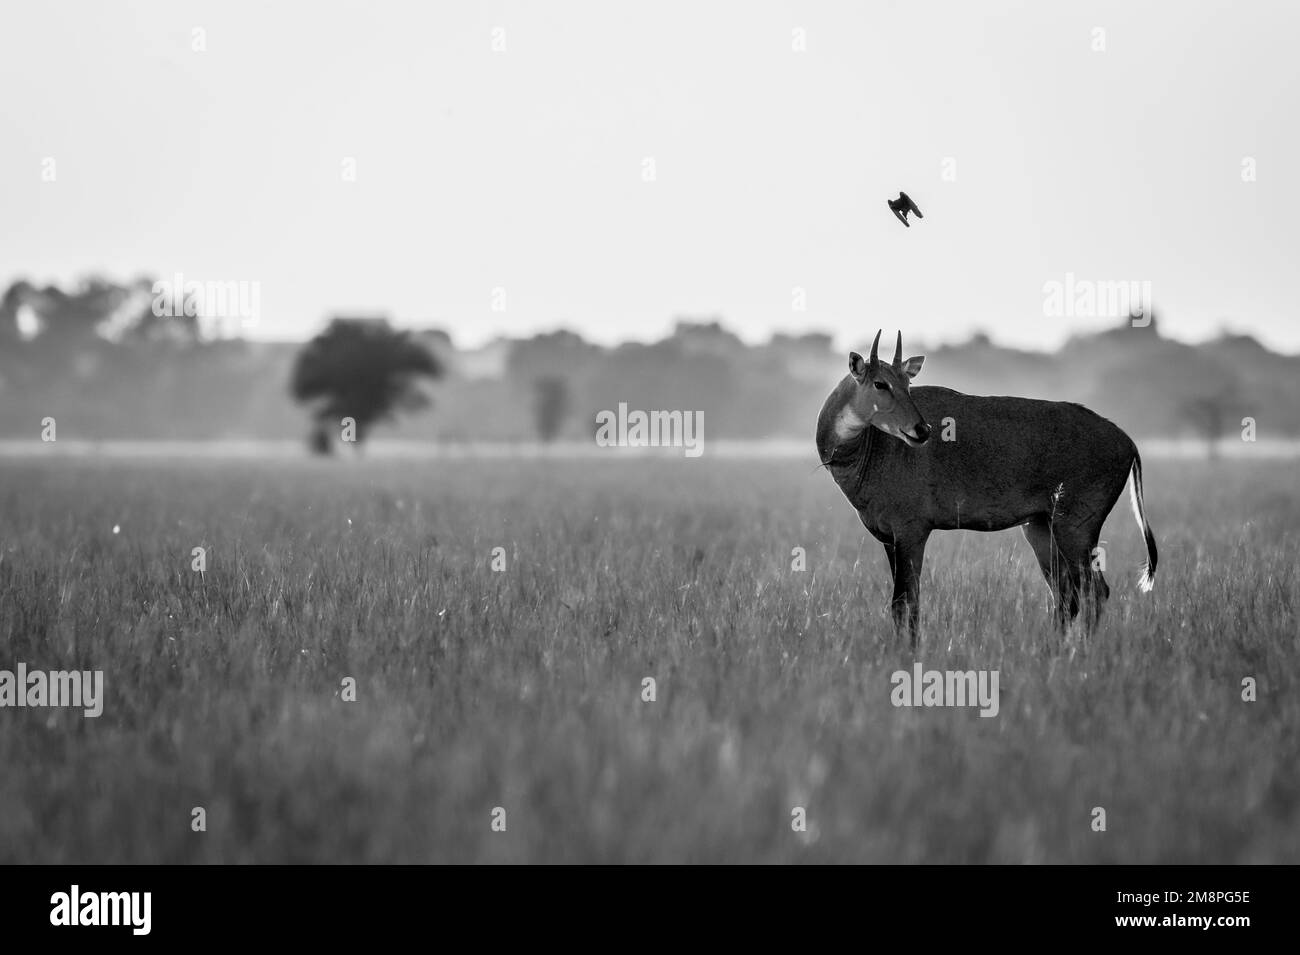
522, 689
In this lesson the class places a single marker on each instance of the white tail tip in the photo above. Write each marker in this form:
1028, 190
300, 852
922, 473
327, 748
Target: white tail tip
1146, 581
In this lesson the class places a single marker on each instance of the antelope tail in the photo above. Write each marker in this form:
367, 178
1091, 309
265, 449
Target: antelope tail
1148, 578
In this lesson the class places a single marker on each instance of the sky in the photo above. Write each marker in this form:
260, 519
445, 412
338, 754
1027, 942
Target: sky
500, 168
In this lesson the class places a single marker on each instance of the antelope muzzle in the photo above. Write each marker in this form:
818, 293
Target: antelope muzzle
917, 435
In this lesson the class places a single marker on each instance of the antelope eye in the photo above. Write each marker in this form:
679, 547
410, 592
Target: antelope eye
881, 386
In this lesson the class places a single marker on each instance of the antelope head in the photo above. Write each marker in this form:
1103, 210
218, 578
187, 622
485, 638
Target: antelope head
883, 399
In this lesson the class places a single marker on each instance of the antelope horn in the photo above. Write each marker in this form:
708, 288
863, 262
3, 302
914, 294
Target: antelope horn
898, 352
875, 347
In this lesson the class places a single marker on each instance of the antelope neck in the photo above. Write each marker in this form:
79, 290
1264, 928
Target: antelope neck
866, 443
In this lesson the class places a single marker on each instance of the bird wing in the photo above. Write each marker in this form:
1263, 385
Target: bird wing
912, 205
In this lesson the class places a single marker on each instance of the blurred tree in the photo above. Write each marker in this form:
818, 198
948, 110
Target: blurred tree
157, 317
550, 406
318, 441
65, 317
1209, 413
15, 297
559, 354
96, 309
361, 369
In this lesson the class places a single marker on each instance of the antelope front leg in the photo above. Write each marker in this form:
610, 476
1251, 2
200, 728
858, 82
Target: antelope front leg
905, 560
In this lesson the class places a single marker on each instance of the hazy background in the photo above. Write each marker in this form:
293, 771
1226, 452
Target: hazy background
522, 169
499, 617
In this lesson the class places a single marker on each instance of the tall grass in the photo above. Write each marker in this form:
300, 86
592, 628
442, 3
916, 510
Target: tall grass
522, 689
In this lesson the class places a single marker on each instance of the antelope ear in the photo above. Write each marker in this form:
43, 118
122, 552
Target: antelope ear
857, 366
913, 366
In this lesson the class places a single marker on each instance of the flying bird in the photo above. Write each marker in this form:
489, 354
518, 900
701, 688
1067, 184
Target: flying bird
902, 206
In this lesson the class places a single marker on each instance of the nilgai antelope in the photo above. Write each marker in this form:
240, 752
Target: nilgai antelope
1051, 467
